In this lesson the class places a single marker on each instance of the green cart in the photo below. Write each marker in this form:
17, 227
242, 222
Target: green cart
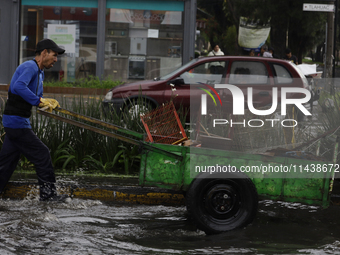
222, 187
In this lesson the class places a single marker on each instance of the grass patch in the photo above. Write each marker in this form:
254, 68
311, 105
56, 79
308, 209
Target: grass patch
310, 61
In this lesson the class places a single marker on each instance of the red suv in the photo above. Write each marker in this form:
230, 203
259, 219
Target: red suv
186, 84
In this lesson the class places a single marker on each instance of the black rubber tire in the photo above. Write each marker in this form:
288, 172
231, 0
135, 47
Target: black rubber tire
222, 203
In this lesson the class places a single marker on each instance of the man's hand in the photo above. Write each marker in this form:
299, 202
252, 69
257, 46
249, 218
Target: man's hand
53, 102
50, 103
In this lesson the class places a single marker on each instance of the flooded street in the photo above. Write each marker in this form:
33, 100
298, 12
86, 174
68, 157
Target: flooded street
94, 227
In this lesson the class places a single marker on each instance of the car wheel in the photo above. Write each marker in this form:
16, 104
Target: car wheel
222, 204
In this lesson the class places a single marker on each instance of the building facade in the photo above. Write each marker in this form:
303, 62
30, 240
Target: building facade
112, 39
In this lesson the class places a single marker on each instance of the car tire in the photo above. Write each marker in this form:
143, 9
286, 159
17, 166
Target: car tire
222, 203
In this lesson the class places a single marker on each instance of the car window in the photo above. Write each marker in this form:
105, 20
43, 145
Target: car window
248, 72
204, 73
282, 74
165, 77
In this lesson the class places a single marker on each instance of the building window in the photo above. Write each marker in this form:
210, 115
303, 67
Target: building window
142, 44
74, 28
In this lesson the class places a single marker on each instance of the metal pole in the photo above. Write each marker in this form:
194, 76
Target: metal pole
325, 55
335, 35
101, 39
190, 9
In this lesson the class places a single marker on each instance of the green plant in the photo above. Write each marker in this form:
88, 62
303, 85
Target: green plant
65, 154
99, 164
75, 148
128, 156
90, 82
25, 164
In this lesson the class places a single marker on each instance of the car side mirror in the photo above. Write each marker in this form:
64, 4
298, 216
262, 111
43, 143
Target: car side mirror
177, 81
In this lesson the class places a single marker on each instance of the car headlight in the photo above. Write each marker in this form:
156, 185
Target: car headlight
108, 95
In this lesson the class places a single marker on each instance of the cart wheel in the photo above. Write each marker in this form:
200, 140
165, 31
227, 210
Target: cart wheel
222, 204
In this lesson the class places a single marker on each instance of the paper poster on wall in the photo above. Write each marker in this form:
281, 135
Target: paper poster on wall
153, 33
63, 35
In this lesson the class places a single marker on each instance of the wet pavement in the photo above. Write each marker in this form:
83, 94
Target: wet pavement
90, 226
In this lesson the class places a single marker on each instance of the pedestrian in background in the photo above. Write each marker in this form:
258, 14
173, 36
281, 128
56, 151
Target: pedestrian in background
264, 51
290, 57
272, 51
216, 67
25, 91
216, 51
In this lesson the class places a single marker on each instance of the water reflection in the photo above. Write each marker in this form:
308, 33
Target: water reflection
94, 227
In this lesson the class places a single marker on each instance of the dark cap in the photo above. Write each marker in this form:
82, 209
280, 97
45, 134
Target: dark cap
49, 44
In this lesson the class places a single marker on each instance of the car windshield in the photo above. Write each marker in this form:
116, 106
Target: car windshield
165, 77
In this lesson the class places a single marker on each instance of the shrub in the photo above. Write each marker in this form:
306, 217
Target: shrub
90, 82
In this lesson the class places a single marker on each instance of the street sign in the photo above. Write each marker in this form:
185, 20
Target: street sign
319, 7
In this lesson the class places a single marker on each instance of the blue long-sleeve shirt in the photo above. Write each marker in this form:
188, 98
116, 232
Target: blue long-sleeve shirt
25, 84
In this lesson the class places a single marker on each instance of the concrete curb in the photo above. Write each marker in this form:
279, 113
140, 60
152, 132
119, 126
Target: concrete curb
66, 90
110, 193
130, 194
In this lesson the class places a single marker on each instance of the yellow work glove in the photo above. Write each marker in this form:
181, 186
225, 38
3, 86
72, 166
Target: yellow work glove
53, 102
49, 103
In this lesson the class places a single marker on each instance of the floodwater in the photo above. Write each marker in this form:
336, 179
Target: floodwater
94, 227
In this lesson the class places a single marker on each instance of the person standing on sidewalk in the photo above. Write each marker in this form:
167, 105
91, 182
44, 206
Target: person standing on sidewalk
25, 91
216, 67
264, 52
290, 57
